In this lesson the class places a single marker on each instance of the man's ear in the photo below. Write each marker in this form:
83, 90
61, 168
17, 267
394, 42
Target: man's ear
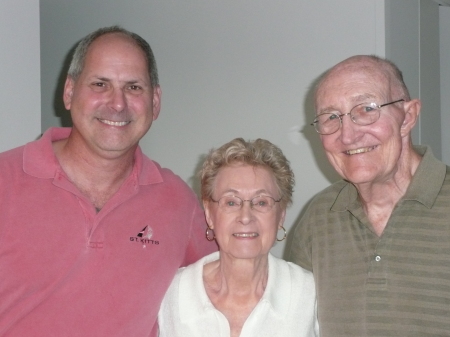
156, 101
412, 111
68, 92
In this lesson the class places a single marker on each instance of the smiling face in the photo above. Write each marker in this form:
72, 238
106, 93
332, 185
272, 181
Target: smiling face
112, 102
246, 233
371, 153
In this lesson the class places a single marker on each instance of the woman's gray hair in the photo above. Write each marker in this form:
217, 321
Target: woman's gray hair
79, 55
256, 153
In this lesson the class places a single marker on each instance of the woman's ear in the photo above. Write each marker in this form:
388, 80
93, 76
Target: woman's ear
412, 111
209, 222
282, 217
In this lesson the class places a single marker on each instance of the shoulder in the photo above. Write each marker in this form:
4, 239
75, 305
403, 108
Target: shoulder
12, 156
153, 174
291, 292
330, 193
169, 176
192, 275
337, 196
187, 288
11, 167
296, 273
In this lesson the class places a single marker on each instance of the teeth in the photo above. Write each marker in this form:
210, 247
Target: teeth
105, 121
246, 235
361, 150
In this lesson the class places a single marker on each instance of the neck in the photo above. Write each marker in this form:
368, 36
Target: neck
379, 198
241, 277
235, 286
97, 177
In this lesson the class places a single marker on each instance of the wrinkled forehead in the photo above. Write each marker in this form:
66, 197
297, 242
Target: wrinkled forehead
350, 81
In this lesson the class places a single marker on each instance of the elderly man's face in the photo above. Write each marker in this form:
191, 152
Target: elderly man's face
362, 154
112, 102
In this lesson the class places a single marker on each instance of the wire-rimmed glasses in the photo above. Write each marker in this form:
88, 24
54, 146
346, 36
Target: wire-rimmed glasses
366, 113
232, 203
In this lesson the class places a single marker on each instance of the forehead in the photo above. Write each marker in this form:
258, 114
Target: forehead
352, 83
115, 47
243, 177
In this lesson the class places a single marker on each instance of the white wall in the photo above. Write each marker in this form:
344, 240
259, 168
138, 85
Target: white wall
444, 29
19, 72
228, 69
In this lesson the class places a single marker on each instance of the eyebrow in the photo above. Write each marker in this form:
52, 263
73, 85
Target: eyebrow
133, 81
258, 192
101, 78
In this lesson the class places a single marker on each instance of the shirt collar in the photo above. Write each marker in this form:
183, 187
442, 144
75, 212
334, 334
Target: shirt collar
192, 290
428, 179
278, 290
40, 161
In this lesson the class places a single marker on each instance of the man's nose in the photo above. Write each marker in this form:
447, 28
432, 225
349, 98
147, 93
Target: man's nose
117, 100
349, 129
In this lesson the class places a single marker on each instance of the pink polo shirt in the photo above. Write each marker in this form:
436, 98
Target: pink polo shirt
66, 270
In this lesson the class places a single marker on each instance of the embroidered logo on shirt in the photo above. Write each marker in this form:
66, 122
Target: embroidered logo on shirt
144, 237
146, 233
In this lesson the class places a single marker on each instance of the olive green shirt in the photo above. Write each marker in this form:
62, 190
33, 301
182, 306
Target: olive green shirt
394, 285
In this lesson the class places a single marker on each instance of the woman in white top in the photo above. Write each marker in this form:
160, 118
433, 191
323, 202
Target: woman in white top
242, 290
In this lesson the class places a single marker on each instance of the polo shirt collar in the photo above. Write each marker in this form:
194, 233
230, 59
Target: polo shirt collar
428, 179
40, 161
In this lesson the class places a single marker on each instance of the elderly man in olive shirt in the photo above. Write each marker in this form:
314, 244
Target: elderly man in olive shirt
378, 241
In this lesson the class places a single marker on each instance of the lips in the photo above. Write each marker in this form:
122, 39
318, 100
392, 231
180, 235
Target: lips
246, 235
113, 123
360, 150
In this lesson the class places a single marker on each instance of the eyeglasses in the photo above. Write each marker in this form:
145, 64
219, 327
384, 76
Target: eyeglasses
232, 203
362, 114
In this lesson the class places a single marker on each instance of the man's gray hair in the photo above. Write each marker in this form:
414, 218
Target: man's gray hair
79, 56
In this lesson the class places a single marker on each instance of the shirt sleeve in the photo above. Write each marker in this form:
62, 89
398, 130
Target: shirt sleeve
301, 247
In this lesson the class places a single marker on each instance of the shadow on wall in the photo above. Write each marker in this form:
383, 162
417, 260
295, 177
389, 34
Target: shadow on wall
194, 181
313, 137
320, 158
58, 103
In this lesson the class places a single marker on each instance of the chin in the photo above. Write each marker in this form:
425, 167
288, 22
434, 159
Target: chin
359, 174
360, 179
248, 254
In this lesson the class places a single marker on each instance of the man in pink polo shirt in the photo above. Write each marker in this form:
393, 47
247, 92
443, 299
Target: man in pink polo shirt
91, 230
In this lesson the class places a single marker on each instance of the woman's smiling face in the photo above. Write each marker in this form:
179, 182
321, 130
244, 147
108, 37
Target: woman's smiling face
245, 233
